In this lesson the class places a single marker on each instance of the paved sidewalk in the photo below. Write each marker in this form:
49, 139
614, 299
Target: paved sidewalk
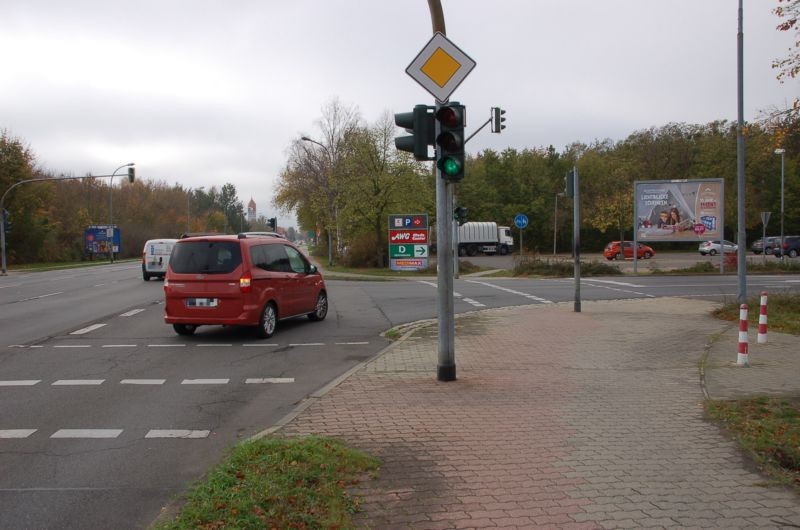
558, 419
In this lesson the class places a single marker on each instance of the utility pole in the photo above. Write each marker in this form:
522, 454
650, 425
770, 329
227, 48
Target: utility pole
740, 210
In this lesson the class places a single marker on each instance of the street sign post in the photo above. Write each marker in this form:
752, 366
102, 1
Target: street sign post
520, 221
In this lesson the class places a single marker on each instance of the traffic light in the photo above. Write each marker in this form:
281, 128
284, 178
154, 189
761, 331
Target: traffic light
420, 124
451, 118
273, 223
569, 183
498, 119
131, 174
460, 215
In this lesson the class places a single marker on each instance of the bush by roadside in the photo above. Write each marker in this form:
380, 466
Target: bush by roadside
536, 266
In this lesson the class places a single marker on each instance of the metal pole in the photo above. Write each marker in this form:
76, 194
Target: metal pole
446, 367
555, 226
188, 211
740, 212
782, 151
576, 241
455, 249
111, 211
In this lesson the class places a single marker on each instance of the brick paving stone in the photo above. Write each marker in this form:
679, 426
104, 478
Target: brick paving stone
558, 419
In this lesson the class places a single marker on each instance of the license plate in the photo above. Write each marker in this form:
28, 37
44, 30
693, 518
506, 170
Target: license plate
202, 302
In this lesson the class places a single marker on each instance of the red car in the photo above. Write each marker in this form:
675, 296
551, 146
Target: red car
612, 251
244, 280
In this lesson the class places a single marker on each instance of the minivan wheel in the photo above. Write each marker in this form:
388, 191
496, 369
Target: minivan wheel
268, 321
184, 329
712, 252
793, 253
145, 274
321, 309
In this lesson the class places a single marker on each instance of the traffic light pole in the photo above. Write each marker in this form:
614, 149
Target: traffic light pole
446, 367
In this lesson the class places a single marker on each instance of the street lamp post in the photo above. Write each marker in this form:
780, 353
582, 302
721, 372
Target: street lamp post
330, 161
111, 211
781, 152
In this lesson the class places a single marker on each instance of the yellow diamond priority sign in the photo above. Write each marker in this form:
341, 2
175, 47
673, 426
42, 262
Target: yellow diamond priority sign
440, 67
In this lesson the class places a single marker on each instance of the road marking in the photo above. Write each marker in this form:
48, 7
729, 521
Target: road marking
166, 345
308, 344
39, 297
72, 346
87, 329
269, 380
36, 346
99, 285
474, 302
176, 433
16, 433
212, 345
21, 382
432, 284
623, 284
205, 381
119, 345
618, 290
512, 291
86, 433
132, 312
17, 346
259, 345
78, 382
143, 381
12, 285
351, 343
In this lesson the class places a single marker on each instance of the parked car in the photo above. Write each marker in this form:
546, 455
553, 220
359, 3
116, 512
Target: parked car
242, 280
713, 247
791, 247
765, 245
155, 257
612, 251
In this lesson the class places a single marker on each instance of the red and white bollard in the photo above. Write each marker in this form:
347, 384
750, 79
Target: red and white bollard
743, 359
762, 319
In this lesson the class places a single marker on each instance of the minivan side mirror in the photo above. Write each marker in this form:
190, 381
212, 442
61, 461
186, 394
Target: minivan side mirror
312, 269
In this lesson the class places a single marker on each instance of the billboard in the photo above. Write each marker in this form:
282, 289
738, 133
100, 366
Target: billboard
408, 242
679, 210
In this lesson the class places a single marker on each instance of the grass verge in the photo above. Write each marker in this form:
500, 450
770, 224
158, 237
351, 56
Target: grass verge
277, 483
768, 429
783, 312
41, 267
536, 266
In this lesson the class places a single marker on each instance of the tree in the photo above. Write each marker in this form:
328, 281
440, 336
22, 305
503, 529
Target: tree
789, 67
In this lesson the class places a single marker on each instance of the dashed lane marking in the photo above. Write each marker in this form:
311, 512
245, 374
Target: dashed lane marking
86, 433
205, 381
350, 343
166, 345
132, 312
260, 345
72, 346
213, 345
119, 345
40, 296
176, 433
78, 382
143, 381
21, 382
308, 344
87, 329
16, 433
269, 380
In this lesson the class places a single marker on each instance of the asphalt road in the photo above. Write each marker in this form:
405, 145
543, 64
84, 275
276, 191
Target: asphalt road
106, 414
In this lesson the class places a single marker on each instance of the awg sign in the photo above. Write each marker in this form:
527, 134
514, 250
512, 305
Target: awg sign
408, 242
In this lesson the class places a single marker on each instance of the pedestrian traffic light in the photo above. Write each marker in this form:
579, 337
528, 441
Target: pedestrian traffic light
131, 174
273, 223
569, 183
460, 215
498, 119
420, 124
451, 118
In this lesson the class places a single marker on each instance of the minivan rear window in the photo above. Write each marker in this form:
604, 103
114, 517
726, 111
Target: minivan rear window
205, 257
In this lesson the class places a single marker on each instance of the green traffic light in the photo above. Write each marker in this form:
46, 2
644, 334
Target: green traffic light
449, 166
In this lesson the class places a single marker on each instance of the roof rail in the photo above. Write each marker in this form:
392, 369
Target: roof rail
244, 235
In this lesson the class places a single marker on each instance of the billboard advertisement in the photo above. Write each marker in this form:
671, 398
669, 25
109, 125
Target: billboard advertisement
679, 210
408, 242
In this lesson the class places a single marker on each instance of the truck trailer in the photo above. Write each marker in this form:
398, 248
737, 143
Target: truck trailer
484, 237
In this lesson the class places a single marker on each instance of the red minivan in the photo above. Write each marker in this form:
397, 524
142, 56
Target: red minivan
244, 280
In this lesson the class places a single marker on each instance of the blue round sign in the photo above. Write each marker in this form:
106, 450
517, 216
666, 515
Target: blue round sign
521, 221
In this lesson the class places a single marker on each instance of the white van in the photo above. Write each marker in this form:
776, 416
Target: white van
155, 257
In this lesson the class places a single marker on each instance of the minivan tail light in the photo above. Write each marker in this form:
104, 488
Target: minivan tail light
244, 284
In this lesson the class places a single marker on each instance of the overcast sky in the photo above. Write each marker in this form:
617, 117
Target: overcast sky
200, 92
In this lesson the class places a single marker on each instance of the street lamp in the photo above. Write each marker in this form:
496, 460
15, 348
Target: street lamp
111, 211
330, 160
781, 152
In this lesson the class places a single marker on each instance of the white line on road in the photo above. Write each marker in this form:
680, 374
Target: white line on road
98, 285
166, 345
512, 291
41, 296
260, 345
87, 329
269, 380
132, 312
78, 382
21, 382
205, 381
612, 282
212, 345
617, 290
474, 302
86, 433
16, 433
119, 345
72, 346
143, 381
12, 285
176, 433
308, 344
350, 343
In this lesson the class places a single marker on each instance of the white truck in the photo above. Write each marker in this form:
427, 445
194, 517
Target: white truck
485, 237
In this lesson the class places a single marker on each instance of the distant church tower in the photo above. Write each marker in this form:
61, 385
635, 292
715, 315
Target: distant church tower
251, 211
